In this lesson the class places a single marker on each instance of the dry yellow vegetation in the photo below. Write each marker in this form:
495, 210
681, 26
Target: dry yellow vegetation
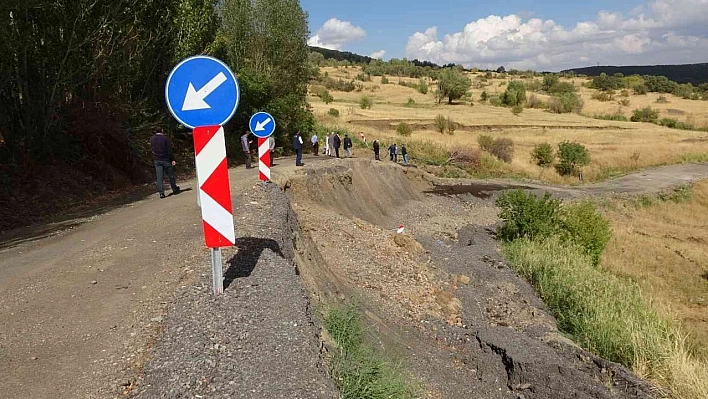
664, 246
615, 147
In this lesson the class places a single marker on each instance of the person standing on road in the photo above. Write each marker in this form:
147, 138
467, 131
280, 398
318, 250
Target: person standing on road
393, 152
362, 137
404, 152
164, 161
337, 143
297, 146
331, 144
327, 144
376, 150
246, 147
271, 148
315, 145
348, 145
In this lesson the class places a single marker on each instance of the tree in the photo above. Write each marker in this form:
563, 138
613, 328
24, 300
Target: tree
515, 94
501, 69
572, 156
549, 81
452, 84
265, 42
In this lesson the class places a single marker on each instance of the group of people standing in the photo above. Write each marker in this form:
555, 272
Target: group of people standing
393, 151
332, 145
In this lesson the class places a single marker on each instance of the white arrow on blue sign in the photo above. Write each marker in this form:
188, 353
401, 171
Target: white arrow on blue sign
262, 124
202, 91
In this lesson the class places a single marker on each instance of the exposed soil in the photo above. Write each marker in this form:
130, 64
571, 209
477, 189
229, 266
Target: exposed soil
116, 302
438, 296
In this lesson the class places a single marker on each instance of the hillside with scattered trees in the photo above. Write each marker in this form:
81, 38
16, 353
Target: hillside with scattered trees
690, 73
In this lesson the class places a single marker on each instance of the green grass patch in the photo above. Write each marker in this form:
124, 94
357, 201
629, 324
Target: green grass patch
695, 158
609, 315
359, 370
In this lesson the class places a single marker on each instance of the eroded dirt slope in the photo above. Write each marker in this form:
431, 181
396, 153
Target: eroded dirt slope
438, 295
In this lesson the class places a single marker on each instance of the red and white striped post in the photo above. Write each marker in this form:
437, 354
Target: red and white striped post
214, 196
264, 158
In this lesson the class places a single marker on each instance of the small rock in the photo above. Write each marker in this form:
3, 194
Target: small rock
462, 279
34, 358
94, 282
156, 319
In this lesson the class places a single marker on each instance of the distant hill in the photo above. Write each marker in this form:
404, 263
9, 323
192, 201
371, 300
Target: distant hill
361, 59
687, 73
341, 55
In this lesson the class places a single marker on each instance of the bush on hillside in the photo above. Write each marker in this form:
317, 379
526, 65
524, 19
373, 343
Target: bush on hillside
535, 102
645, 114
410, 102
365, 102
333, 112
404, 129
572, 156
485, 142
526, 215
384, 80
582, 225
565, 103
515, 94
440, 123
451, 126
517, 109
543, 155
503, 149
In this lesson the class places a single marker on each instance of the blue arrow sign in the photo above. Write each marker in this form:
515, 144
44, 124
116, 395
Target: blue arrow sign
202, 91
262, 124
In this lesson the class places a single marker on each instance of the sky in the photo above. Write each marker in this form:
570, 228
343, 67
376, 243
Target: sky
543, 35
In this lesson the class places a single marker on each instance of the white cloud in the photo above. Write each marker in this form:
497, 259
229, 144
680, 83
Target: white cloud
378, 54
660, 32
335, 33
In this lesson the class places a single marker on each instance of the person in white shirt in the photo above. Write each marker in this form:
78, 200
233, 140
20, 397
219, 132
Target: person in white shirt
327, 141
315, 145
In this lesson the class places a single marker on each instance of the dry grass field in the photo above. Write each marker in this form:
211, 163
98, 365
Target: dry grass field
664, 246
615, 147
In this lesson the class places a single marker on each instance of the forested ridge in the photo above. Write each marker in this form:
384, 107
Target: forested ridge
82, 88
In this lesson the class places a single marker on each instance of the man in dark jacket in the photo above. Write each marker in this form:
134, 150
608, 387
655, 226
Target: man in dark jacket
337, 144
348, 145
377, 147
404, 152
246, 147
164, 161
297, 146
393, 152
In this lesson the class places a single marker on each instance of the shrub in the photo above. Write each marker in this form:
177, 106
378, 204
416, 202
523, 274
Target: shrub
565, 103
365, 102
662, 100
535, 102
582, 225
485, 142
624, 93
668, 122
645, 114
423, 87
465, 157
515, 93
517, 109
602, 96
326, 97
451, 126
363, 77
527, 215
614, 117
549, 81
562, 87
384, 80
410, 102
334, 112
640, 89
572, 157
484, 96
404, 129
440, 123
358, 86
496, 101
624, 102
503, 149
543, 155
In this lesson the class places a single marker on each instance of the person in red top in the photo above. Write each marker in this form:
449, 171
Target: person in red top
164, 161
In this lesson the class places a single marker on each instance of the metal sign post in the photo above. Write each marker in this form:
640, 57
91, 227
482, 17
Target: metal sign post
202, 93
262, 125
